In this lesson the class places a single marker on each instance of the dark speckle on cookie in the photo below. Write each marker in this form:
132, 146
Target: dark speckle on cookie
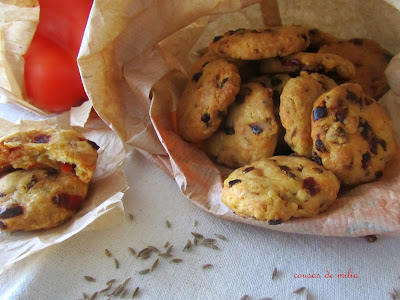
205, 118
233, 182
11, 212
366, 157
248, 169
319, 112
196, 76
311, 186
256, 129
275, 222
41, 139
229, 130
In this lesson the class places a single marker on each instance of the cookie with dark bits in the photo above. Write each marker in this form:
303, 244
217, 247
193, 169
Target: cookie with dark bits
319, 38
250, 44
39, 199
352, 134
57, 149
370, 61
331, 65
297, 99
206, 98
279, 188
250, 130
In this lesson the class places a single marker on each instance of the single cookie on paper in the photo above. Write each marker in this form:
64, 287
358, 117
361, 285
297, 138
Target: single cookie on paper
250, 130
206, 99
58, 149
352, 134
297, 99
248, 44
370, 61
278, 188
39, 198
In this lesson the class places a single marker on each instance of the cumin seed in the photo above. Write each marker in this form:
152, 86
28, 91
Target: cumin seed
371, 238
195, 241
165, 255
89, 278
131, 217
266, 298
188, 246
133, 252
123, 294
116, 290
144, 252
245, 297
145, 256
169, 249
299, 290
94, 295
107, 252
116, 262
195, 223
154, 249
207, 266
274, 273
166, 245
197, 235
176, 260
135, 292
119, 290
111, 281
168, 224
208, 241
212, 246
85, 296
126, 281
155, 264
106, 289
145, 271
221, 237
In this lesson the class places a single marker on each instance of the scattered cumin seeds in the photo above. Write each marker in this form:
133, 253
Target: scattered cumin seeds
169, 249
144, 252
94, 295
168, 224
208, 241
221, 237
116, 262
166, 245
207, 266
274, 273
107, 252
154, 249
371, 238
299, 290
176, 260
111, 281
106, 289
118, 290
132, 251
145, 271
89, 278
135, 292
197, 235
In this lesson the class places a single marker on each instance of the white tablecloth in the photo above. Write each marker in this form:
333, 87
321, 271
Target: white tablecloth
244, 264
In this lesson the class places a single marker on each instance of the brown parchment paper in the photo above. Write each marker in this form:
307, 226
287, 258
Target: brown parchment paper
134, 63
104, 200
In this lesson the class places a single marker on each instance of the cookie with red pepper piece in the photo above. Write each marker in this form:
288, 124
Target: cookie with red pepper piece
332, 65
370, 61
278, 188
250, 130
352, 134
297, 99
39, 198
65, 150
206, 99
248, 44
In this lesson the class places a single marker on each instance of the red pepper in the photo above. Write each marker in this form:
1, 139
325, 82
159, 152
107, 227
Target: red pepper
52, 78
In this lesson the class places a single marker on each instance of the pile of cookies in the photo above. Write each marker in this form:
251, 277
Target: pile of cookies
293, 111
44, 177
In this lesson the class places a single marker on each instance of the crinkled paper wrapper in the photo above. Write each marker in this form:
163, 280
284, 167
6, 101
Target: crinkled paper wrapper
135, 65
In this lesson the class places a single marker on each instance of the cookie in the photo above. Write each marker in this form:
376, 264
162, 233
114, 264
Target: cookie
352, 134
370, 61
206, 98
319, 38
58, 149
332, 65
39, 198
249, 44
250, 130
278, 188
297, 99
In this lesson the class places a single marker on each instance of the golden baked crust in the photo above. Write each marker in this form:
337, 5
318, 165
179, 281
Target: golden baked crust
206, 98
370, 61
250, 130
332, 65
352, 134
249, 44
49, 148
278, 188
297, 99
39, 198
